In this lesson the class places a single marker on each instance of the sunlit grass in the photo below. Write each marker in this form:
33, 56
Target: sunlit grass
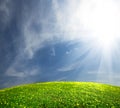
61, 95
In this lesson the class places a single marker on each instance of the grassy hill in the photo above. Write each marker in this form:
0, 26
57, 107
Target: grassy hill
61, 95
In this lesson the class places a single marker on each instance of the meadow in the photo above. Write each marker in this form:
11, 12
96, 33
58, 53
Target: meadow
61, 95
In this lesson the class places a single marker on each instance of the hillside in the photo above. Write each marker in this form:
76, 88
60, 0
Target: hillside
61, 95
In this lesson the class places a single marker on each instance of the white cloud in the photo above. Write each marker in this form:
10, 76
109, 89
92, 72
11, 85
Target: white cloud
19, 69
70, 67
65, 69
21, 74
51, 28
34, 40
12, 72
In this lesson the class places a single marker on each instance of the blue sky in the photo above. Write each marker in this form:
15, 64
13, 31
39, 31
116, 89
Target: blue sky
47, 40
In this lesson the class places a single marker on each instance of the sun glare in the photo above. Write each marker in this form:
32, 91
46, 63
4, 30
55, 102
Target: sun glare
95, 23
102, 19
95, 20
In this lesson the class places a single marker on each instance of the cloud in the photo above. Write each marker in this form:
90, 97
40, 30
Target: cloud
68, 52
20, 69
38, 28
53, 53
42, 26
65, 69
70, 67
49, 25
13, 72
68, 19
5, 13
8, 12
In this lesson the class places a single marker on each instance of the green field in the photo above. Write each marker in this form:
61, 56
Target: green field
61, 95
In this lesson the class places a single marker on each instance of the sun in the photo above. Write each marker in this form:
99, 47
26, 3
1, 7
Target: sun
91, 20
101, 19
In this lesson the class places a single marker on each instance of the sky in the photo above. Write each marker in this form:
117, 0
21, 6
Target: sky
59, 40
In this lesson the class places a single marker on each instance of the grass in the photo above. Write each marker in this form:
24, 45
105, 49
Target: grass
61, 95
